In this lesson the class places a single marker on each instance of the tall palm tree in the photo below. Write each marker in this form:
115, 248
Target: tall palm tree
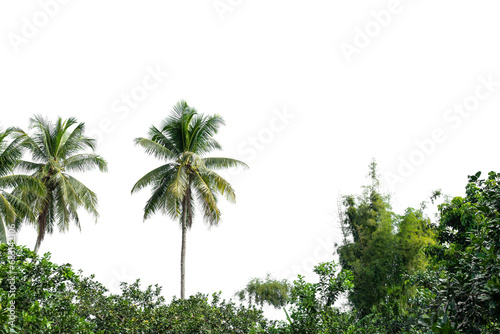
11, 207
55, 149
181, 141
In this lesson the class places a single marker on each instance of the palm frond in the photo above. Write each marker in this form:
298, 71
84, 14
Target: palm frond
37, 153
84, 162
3, 232
160, 201
22, 182
219, 184
43, 135
86, 197
179, 183
6, 208
155, 149
73, 142
223, 163
203, 141
23, 209
154, 176
160, 138
176, 126
211, 215
29, 167
10, 153
207, 197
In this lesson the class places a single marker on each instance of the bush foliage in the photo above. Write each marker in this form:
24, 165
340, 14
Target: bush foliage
50, 298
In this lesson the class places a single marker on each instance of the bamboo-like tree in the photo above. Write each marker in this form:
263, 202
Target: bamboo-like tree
12, 207
56, 150
181, 141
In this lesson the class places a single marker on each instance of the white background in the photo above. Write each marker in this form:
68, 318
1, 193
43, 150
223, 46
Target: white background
247, 60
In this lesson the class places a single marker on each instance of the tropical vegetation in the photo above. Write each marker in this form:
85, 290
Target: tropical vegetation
392, 273
56, 150
11, 206
187, 177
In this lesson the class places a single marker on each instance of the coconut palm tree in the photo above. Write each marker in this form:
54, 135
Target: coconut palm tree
11, 207
56, 150
181, 141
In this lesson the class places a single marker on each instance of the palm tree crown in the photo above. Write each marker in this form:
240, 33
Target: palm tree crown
55, 149
11, 207
181, 141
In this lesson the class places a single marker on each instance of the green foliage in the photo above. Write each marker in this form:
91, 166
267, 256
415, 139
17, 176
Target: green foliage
311, 304
197, 315
414, 233
468, 294
380, 249
55, 149
271, 291
49, 298
398, 279
181, 141
42, 292
11, 206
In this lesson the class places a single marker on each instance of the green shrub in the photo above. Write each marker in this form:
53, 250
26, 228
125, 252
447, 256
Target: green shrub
52, 298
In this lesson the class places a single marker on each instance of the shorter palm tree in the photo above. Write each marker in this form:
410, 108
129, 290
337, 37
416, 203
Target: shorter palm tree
12, 207
55, 149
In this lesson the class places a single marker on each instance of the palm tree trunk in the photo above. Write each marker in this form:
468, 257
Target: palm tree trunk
42, 225
183, 251
37, 244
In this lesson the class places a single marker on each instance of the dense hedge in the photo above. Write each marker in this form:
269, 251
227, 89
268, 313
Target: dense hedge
42, 297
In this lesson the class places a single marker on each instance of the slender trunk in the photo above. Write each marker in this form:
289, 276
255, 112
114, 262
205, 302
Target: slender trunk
37, 244
42, 225
183, 251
